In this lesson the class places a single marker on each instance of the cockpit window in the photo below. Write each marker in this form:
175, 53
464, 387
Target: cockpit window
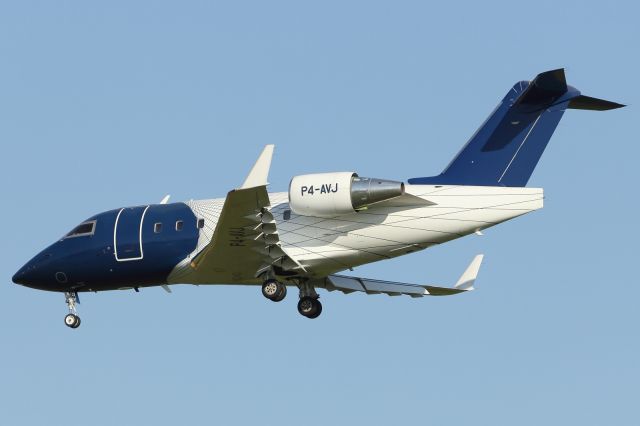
83, 230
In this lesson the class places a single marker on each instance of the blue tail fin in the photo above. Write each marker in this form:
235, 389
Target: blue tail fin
505, 150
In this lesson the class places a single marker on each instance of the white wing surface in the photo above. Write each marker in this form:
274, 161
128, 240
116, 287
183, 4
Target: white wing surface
348, 284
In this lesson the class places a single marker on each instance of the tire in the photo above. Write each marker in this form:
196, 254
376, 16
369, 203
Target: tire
318, 309
282, 293
309, 307
70, 320
271, 289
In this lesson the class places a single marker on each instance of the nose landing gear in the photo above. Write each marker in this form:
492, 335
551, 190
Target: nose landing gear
72, 319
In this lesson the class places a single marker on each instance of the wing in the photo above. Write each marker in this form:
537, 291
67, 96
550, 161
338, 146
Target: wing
245, 243
350, 284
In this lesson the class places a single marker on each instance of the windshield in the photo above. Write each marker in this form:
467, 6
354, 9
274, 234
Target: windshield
84, 229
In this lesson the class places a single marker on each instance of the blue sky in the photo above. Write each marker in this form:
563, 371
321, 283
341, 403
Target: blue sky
107, 104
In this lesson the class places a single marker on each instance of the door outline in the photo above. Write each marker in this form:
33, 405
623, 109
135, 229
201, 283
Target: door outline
115, 242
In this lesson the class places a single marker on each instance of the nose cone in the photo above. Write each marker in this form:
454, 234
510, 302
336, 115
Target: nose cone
25, 276
19, 277
35, 273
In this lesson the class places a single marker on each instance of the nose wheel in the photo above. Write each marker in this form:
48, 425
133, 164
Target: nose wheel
72, 319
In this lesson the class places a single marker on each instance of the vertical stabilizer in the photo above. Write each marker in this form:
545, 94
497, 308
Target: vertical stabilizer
505, 150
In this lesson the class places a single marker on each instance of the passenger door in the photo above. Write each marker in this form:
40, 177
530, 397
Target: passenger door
127, 235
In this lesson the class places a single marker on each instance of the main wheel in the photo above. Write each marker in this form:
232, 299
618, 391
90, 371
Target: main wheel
282, 293
309, 307
270, 289
274, 290
318, 309
71, 320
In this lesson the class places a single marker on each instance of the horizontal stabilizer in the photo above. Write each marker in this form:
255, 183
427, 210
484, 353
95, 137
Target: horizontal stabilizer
544, 90
593, 104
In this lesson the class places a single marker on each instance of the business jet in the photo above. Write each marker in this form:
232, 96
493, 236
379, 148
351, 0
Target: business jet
324, 224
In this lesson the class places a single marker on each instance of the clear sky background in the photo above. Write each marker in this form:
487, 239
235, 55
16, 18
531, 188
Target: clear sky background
108, 104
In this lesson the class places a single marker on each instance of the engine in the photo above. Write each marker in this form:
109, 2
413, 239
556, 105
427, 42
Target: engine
335, 194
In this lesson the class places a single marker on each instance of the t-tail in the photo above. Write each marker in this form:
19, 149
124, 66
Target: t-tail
505, 150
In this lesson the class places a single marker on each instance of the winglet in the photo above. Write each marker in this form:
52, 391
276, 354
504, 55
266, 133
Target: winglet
260, 171
469, 276
165, 200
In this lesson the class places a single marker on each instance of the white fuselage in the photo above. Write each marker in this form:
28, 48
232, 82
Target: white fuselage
427, 215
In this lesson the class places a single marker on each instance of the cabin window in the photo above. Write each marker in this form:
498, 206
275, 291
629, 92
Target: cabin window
83, 230
200, 223
179, 225
157, 228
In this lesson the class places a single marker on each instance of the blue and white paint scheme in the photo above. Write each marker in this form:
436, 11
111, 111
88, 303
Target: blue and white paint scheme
326, 223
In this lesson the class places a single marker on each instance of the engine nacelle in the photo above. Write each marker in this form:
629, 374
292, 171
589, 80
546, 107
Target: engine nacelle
335, 194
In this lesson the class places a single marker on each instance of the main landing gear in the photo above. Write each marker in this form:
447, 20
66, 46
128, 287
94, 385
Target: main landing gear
71, 319
308, 305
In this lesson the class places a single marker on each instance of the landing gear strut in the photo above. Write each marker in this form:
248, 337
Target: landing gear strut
274, 290
71, 319
309, 305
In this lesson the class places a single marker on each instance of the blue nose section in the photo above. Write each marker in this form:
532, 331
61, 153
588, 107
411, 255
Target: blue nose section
34, 274
19, 277
25, 276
